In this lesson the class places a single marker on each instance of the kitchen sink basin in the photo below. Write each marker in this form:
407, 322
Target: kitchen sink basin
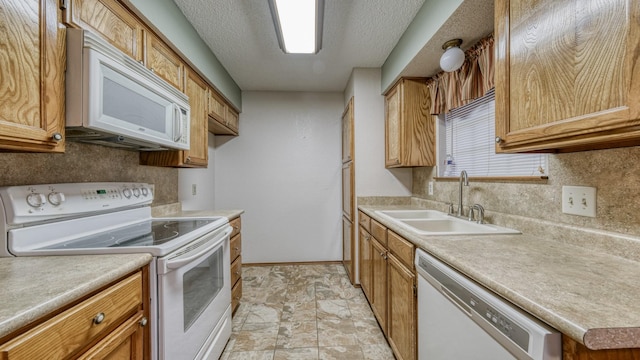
413, 214
432, 222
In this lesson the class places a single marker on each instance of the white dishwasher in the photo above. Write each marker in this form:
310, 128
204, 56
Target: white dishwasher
458, 319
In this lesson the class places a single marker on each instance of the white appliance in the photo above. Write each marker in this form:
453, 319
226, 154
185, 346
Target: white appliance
113, 100
458, 319
190, 280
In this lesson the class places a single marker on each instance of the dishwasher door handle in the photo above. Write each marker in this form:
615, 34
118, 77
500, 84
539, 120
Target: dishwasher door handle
455, 300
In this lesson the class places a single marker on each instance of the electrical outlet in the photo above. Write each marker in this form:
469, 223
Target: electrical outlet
430, 187
194, 189
579, 200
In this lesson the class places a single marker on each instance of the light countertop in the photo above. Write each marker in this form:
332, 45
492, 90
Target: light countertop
588, 295
36, 286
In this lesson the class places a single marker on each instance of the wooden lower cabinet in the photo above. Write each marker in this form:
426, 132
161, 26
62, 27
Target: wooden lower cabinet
110, 324
379, 279
236, 263
365, 259
571, 350
402, 315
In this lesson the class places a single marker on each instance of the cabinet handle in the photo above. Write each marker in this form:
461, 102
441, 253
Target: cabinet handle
238, 273
188, 159
56, 137
235, 227
498, 139
98, 319
143, 322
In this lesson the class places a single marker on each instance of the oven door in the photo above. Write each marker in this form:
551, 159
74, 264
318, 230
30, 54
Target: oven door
194, 292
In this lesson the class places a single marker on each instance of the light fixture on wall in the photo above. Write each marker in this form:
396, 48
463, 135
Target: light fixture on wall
298, 25
453, 56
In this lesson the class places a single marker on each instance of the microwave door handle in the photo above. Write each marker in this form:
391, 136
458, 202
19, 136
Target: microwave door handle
177, 123
181, 261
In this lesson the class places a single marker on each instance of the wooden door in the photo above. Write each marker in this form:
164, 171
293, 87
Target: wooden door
124, 343
347, 132
379, 276
392, 121
365, 253
348, 248
32, 73
109, 19
163, 61
566, 74
196, 90
402, 316
348, 202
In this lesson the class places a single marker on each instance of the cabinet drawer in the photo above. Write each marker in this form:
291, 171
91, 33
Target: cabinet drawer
401, 248
75, 328
236, 295
379, 232
235, 247
235, 224
236, 270
365, 221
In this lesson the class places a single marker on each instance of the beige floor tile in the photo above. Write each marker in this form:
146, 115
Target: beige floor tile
297, 354
302, 334
368, 332
341, 353
300, 291
260, 295
253, 337
333, 309
336, 332
299, 311
249, 355
377, 352
263, 313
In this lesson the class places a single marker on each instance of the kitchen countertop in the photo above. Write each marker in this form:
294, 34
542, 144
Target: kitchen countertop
588, 295
36, 286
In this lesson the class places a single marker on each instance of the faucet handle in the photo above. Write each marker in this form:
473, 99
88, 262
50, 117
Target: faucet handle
480, 213
450, 207
471, 214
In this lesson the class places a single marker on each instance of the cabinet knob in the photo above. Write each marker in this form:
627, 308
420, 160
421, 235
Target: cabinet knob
498, 139
238, 273
56, 137
236, 249
98, 319
188, 159
143, 322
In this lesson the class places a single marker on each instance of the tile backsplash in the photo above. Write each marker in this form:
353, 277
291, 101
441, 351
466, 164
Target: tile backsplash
614, 172
87, 163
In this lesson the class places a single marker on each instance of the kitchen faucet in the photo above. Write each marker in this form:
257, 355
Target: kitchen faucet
464, 179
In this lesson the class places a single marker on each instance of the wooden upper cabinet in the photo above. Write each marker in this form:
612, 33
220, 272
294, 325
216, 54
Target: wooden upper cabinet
109, 19
197, 156
32, 73
409, 125
163, 61
223, 119
347, 132
567, 74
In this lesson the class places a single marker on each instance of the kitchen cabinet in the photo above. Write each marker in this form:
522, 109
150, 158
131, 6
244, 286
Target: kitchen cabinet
163, 61
347, 132
409, 125
109, 324
109, 19
571, 350
365, 258
236, 264
349, 242
566, 75
348, 248
197, 155
379, 283
223, 119
32, 73
403, 312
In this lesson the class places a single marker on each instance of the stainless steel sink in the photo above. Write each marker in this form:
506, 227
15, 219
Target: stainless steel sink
432, 222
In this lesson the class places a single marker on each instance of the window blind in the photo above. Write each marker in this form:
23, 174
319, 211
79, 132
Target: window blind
470, 144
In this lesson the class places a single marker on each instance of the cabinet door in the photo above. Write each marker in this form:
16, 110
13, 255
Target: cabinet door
348, 248
365, 253
392, 127
232, 120
124, 343
402, 317
163, 61
347, 132
566, 74
348, 202
32, 73
379, 275
110, 20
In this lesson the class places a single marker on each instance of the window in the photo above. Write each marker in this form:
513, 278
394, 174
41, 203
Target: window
469, 144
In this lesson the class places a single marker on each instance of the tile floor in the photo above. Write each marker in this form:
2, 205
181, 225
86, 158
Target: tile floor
303, 312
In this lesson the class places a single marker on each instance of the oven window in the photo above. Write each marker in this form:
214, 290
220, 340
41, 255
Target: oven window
201, 285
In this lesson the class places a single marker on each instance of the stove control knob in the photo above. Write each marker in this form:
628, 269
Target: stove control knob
127, 193
145, 191
36, 200
56, 198
136, 192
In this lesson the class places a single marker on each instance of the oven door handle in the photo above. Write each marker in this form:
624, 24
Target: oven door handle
180, 261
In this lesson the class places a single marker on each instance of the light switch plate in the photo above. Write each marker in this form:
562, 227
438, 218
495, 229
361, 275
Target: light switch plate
579, 200
430, 187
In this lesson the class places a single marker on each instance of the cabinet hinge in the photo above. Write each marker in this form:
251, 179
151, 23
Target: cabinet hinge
63, 4
415, 291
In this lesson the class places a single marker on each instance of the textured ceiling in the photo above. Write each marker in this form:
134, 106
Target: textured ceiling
357, 33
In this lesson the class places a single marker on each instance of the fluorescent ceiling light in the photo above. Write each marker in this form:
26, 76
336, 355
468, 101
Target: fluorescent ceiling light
298, 25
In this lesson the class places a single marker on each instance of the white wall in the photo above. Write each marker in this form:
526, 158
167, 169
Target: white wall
372, 178
204, 181
284, 170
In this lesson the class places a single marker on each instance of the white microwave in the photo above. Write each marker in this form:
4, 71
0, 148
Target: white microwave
113, 100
